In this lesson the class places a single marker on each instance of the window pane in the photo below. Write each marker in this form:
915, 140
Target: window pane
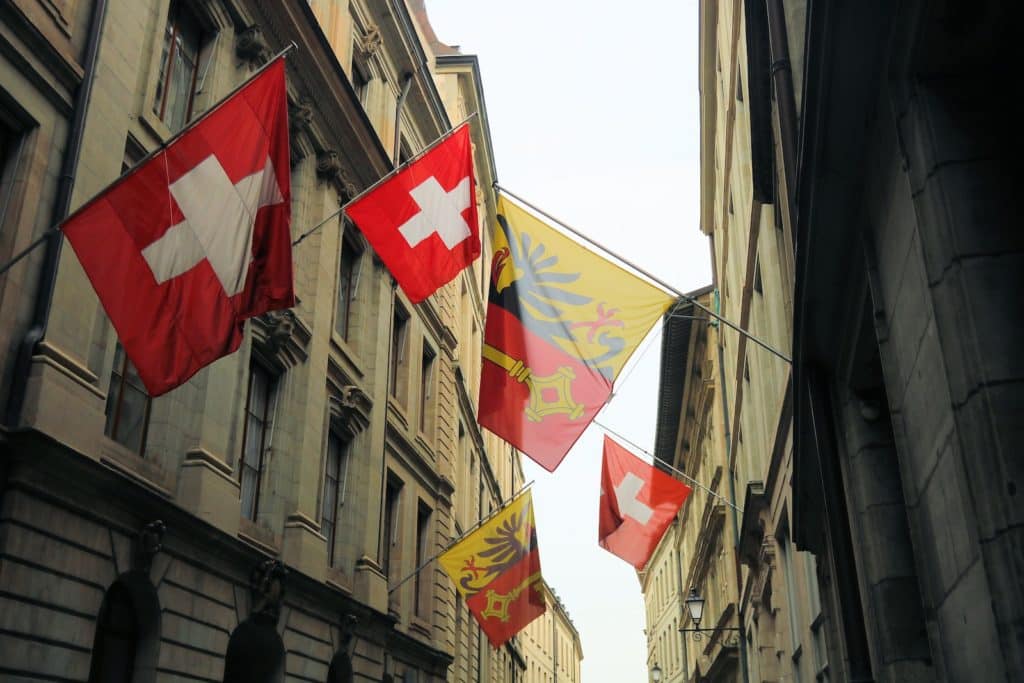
249, 480
131, 423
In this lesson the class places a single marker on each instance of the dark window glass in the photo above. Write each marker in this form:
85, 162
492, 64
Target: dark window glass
116, 640
258, 417
422, 537
127, 405
398, 328
348, 279
391, 498
334, 490
179, 67
426, 388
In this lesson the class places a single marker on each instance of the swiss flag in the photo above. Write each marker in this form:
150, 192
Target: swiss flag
186, 246
422, 222
638, 502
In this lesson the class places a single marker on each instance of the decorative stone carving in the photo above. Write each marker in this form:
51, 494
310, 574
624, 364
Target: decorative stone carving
266, 585
351, 408
148, 543
347, 186
251, 46
282, 336
300, 116
372, 40
328, 165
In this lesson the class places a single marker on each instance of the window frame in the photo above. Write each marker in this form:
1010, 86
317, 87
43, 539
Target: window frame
269, 414
340, 484
399, 340
428, 362
118, 402
165, 65
350, 276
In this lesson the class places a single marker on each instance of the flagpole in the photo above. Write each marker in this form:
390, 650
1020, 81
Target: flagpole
481, 522
647, 274
124, 176
669, 465
386, 176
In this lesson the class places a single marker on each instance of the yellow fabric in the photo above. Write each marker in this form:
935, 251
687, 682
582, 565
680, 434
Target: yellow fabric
483, 555
604, 311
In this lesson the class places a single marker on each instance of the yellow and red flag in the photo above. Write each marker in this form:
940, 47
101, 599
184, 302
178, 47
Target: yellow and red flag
561, 323
497, 570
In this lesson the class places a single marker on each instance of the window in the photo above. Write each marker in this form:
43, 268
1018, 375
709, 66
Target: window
392, 497
179, 67
399, 326
258, 419
348, 282
427, 389
335, 477
422, 538
127, 405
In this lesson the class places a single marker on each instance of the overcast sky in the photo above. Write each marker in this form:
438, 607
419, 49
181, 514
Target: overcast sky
593, 108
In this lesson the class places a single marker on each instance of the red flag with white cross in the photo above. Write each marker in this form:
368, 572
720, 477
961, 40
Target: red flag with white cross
190, 243
638, 502
422, 221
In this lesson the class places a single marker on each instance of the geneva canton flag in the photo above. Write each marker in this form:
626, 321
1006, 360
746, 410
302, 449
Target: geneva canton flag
497, 570
561, 323
422, 222
186, 246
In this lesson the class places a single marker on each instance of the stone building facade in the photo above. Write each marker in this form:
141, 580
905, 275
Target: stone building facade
550, 645
256, 523
907, 367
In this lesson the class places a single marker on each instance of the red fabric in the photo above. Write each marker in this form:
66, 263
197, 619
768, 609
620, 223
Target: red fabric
421, 269
621, 533
522, 579
503, 399
172, 330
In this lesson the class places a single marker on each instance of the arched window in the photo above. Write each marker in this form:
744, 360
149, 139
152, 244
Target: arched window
255, 652
127, 639
341, 669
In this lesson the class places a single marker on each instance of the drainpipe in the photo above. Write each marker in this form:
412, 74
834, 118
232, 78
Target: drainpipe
782, 79
732, 499
682, 608
61, 205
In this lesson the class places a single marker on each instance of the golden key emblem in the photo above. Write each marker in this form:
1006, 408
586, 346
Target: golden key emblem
497, 603
560, 382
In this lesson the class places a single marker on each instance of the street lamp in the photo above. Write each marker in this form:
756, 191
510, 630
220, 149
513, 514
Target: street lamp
695, 607
656, 673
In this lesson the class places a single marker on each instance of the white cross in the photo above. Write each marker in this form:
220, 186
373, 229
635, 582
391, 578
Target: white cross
626, 495
219, 219
440, 212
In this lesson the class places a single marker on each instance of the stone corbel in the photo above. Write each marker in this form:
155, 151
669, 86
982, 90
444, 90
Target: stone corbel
371, 41
328, 165
351, 408
251, 47
282, 336
266, 588
148, 543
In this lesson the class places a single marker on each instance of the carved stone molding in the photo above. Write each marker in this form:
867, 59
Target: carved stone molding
300, 116
266, 586
148, 542
350, 408
328, 165
251, 46
282, 337
371, 41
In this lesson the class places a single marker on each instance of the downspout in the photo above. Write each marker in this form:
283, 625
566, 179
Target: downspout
61, 205
782, 78
682, 613
732, 498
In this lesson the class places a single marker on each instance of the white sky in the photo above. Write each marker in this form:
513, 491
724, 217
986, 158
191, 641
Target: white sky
593, 108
